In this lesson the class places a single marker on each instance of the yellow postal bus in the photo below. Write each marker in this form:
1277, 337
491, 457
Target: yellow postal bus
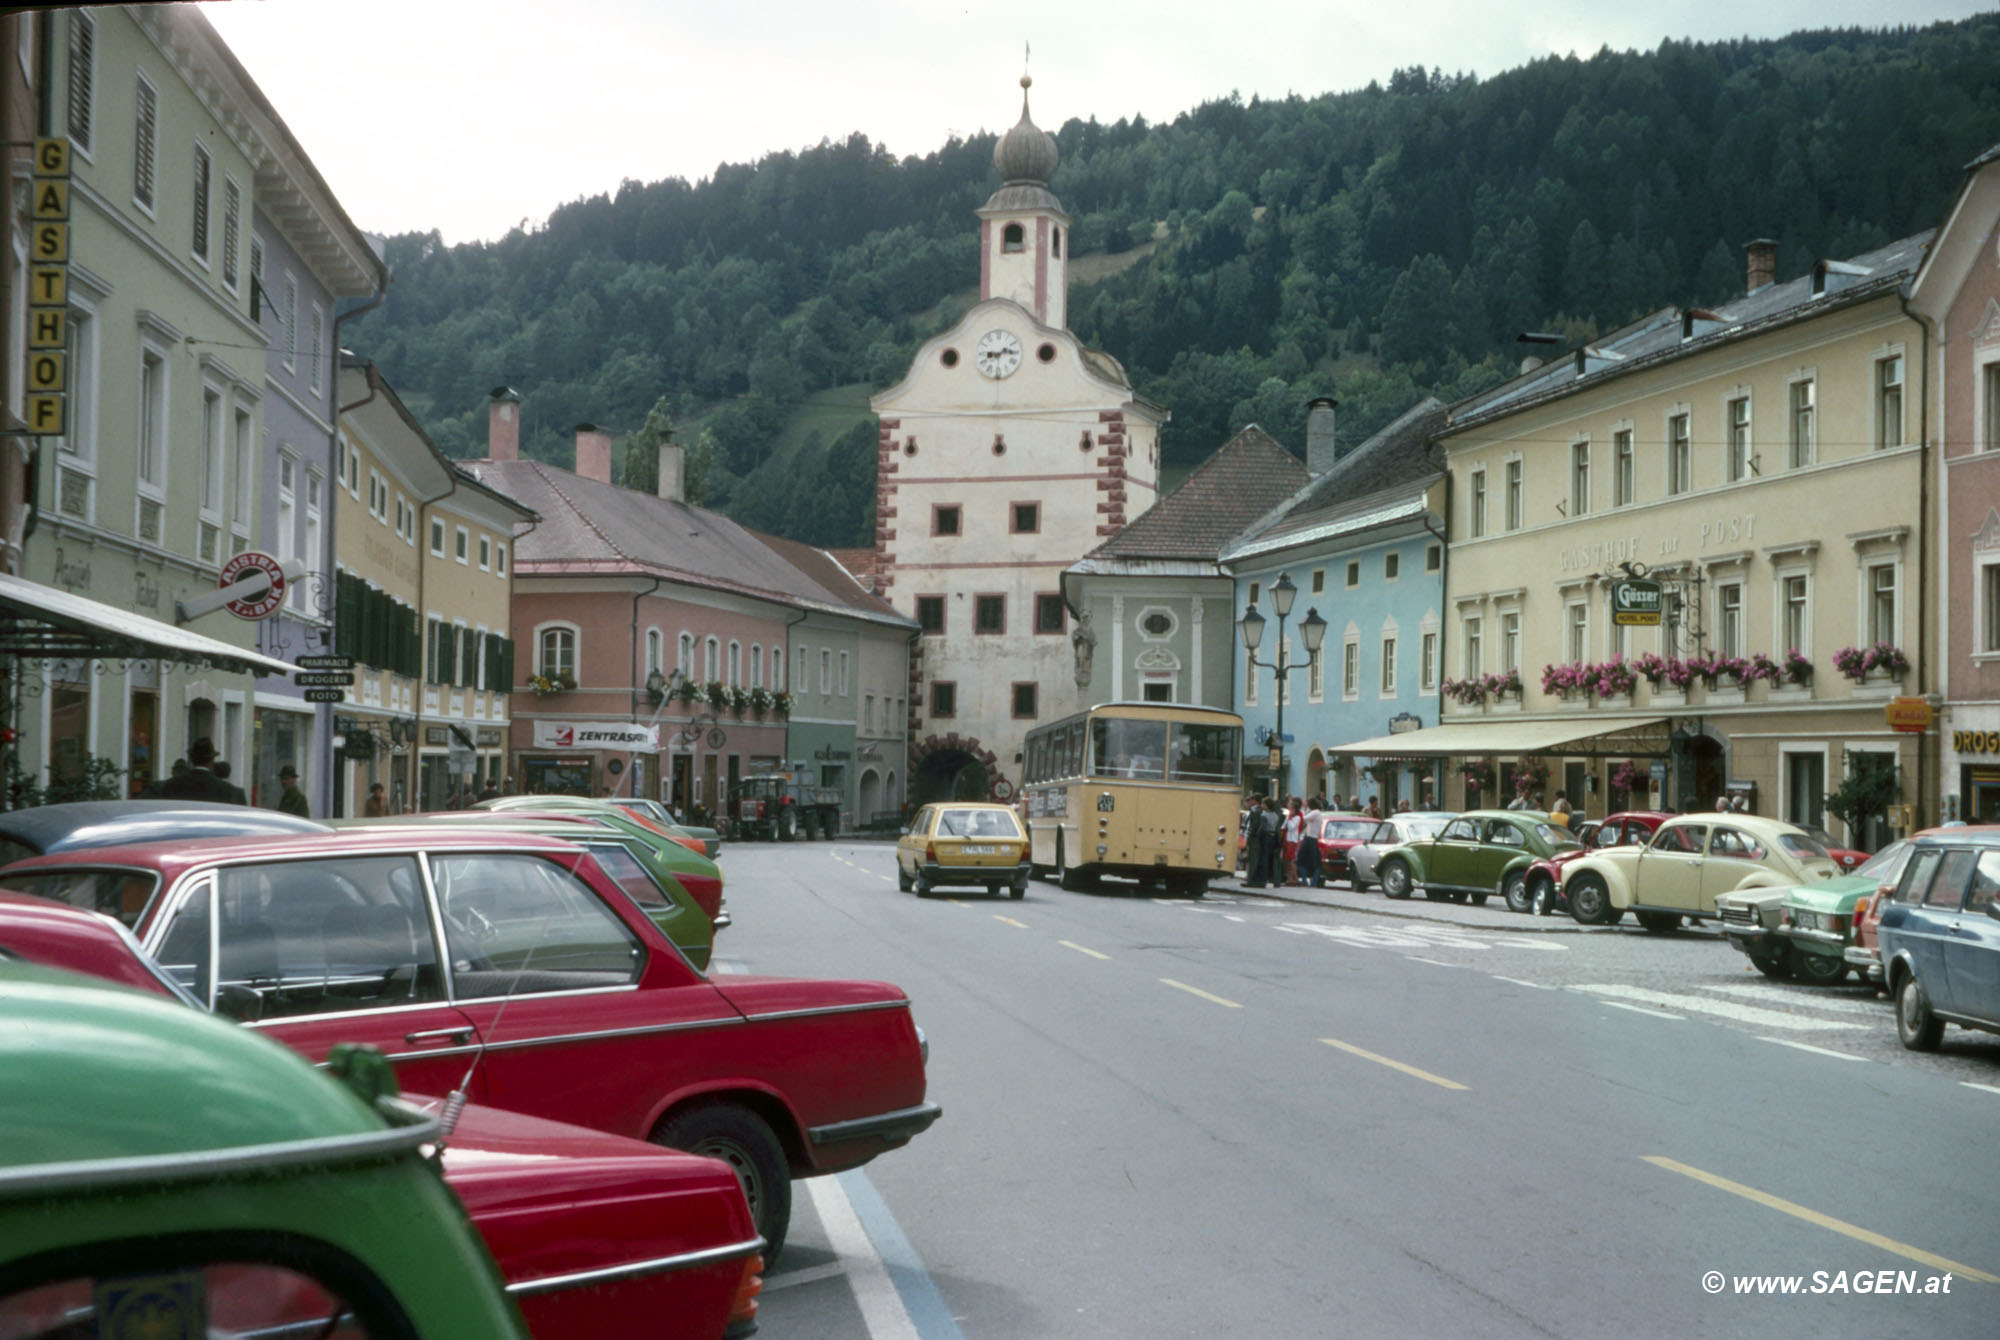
1144, 790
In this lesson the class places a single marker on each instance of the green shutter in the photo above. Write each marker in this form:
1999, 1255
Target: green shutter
346, 612
468, 657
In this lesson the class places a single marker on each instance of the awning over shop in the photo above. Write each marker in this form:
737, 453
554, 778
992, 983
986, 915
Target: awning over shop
1587, 737
42, 622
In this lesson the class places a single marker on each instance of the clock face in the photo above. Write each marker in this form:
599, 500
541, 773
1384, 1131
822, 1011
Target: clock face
997, 353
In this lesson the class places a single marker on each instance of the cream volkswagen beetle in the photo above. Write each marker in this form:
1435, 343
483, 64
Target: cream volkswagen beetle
1691, 859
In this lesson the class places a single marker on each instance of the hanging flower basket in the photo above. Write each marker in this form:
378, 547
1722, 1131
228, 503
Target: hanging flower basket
544, 685
1857, 663
1625, 777
760, 700
781, 703
1531, 774
1478, 776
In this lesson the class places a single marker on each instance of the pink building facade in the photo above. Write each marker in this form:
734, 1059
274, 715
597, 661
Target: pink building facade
1957, 291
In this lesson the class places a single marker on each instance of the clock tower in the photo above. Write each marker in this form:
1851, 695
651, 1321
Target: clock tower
1008, 452
1023, 232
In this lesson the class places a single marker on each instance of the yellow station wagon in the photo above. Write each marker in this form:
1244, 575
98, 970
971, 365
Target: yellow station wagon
964, 843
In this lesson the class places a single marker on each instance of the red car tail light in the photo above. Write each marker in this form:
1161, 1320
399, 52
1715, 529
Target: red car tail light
930, 853
743, 1310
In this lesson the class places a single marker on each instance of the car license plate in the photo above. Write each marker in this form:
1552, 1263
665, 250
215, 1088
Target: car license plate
978, 849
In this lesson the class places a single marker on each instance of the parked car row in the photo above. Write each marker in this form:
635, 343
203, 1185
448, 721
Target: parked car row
1920, 918
528, 960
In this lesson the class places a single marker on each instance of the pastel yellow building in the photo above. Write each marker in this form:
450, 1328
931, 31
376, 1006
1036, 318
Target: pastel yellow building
423, 592
1765, 463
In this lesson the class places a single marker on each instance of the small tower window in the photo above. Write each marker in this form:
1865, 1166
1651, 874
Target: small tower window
1055, 236
1011, 237
949, 358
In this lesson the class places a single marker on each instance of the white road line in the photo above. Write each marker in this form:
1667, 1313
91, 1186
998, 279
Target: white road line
1292, 930
1817, 1051
1774, 994
810, 1275
1988, 1088
1539, 986
1434, 962
1641, 1009
1231, 916
1721, 1009
874, 1292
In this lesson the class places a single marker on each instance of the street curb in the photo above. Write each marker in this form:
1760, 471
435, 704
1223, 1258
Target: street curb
1572, 928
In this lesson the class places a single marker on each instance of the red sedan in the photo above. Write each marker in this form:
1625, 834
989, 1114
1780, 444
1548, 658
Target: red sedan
594, 1234
1340, 833
1544, 878
512, 966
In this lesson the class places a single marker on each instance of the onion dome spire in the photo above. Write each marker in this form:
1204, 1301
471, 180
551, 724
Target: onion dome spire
1025, 154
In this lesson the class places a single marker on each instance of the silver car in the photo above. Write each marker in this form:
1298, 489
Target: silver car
1410, 826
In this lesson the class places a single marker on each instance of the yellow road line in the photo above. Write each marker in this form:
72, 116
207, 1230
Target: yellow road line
1010, 921
1367, 1055
1197, 991
1071, 944
1840, 1226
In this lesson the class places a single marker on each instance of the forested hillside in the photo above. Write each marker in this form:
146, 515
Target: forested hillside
1373, 244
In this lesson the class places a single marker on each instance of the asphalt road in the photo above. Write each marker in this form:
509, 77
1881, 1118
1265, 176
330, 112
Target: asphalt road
1246, 1115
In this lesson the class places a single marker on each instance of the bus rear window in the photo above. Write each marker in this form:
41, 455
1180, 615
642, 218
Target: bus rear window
1205, 754
1122, 748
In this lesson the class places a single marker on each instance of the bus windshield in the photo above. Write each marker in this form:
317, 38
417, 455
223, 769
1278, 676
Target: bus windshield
1121, 748
1205, 753
1163, 751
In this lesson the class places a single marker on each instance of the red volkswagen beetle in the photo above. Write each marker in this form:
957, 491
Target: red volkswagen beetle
594, 1234
513, 966
1542, 880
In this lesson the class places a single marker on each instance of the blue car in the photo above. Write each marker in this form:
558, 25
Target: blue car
1940, 939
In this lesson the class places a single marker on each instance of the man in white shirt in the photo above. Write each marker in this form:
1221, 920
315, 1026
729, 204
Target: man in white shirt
1309, 843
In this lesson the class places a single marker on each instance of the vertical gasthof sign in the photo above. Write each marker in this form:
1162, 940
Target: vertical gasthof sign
48, 291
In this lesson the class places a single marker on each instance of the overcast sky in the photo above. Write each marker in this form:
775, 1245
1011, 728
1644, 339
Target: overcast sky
470, 116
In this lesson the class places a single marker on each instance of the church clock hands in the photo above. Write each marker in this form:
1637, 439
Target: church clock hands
998, 353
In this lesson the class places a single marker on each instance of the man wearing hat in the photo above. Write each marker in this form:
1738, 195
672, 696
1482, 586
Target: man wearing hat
293, 801
199, 782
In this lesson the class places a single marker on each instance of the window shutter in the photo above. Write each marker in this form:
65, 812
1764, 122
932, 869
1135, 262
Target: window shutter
232, 229
507, 661
468, 657
346, 613
82, 76
202, 168
144, 133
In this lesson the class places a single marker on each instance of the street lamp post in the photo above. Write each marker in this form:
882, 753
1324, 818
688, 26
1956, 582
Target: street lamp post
1312, 631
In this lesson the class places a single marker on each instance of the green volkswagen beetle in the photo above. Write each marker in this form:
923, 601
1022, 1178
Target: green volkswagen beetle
169, 1174
1474, 856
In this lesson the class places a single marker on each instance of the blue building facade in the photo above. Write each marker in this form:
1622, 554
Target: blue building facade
1363, 545
305, 257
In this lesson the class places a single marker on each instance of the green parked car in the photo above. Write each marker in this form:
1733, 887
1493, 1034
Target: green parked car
663, 878
168, 1173
1475, 856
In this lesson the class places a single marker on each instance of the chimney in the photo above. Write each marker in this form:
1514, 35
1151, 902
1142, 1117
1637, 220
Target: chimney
1321, 451
503, 424
673, 464
1762, 267
593, 453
